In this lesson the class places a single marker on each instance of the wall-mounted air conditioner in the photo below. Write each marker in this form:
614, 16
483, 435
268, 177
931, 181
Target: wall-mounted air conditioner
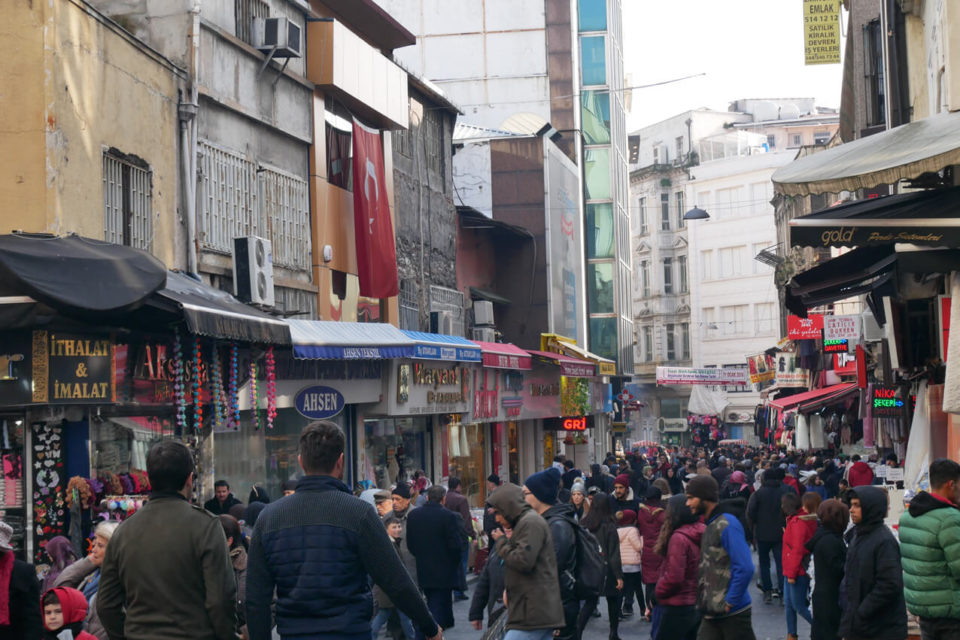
442, 322
484, 334
483, 313
253, 270
279, 35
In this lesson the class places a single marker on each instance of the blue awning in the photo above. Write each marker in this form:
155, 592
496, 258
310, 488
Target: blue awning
435, 346
326, 340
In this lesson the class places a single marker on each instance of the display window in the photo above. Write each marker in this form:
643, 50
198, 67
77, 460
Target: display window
467, 447
393, 450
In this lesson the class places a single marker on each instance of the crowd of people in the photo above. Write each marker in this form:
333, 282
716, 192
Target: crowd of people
665, 536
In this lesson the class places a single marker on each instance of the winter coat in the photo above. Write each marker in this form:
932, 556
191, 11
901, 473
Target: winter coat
763, 509
793, 483
458, 503
721, 473
609, 539
26, 621
435, 538
873, 581
316, 549
829, 553
650, 520
379, 595
166, 574
799, 531
530, 561
488, 591
405, 556
930, 545
238, 559
563, 533
631, 503
677, 583
216, 508
860, 474
631, 545
726, 566
76, 576
73, 606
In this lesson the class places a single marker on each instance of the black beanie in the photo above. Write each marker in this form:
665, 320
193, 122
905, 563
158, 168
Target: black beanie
703, 487
544, 485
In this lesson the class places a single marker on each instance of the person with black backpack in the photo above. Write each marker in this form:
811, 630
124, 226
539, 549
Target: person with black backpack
540, 492
603, 525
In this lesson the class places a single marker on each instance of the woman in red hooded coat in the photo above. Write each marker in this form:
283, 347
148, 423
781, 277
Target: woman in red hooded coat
650, 517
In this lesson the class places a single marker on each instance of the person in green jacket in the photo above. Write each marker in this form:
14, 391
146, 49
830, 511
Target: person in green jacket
930, 546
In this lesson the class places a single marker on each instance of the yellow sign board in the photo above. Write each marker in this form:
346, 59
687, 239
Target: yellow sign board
821, 30
560, 344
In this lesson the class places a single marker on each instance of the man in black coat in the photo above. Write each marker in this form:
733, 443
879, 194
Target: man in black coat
435, 538
765, 518
220, 504
876, 607
23, 608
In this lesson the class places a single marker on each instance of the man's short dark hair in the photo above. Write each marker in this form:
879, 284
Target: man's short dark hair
856, 457
169, 464
321, 445
436, 493
454, 483
221, 483
942, 471
568, 464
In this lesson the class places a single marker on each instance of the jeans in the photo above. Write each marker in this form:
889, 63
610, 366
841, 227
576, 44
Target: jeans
539, 634
795, 601
939, 628
764, 549
381, 619
735, 627
678, 623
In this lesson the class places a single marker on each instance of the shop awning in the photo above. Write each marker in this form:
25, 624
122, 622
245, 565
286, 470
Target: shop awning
436, 346
816, 398
215, 313
326, 340
902, 153
605, 366
923, 217
498, 355
570, 367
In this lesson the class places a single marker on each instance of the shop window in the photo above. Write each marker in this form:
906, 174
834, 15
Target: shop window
12, 503
465, 448
593, 60
593, 15
596, 174
393, 450
600, 230
595, 114
600, 287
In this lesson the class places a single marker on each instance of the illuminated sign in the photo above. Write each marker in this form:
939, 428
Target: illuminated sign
571, 423
836, 346
886, 401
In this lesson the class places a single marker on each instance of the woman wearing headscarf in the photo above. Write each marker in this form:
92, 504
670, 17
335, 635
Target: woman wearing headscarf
675, 481
676, 591
735, 487
61, 554
258, 494
84, 575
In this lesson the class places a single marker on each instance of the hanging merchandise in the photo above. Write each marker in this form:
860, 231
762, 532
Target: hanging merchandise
216, 382
271, 388
48, 485
179, 384
233, 394
254, 394
195, 386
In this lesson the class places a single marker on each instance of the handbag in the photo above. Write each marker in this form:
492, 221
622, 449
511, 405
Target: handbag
497, 628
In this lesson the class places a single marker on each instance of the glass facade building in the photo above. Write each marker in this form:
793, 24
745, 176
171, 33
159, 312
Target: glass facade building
605, 181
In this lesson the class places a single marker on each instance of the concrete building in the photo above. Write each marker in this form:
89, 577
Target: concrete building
77, 159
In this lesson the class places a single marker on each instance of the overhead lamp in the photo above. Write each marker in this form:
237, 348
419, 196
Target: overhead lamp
696, 214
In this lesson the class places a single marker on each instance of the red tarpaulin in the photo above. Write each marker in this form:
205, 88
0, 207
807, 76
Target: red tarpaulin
498, 355
826, 395
376, 247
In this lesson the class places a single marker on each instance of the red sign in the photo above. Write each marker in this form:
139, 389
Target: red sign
574, 424
505, 361
836, 346
373, 228
808, 328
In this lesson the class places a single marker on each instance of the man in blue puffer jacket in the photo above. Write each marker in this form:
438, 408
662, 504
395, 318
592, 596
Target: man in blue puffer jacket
316, 548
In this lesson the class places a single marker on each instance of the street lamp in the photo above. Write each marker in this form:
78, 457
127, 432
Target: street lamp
696, 214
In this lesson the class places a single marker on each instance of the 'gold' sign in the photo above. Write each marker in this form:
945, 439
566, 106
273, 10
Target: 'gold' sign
70, 368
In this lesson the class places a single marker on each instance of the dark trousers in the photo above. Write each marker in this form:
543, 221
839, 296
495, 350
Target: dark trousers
736, 627
632, 589
464, 556
650, 589
613, 612
939, 628
678, 623
440, 604
764, 549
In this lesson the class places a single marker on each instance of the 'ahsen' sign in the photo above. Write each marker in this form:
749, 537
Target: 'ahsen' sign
319, 402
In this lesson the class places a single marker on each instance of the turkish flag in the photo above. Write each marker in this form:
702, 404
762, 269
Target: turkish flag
376, 247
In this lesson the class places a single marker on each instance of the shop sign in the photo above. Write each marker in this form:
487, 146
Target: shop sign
761, 369
318, 402
836, 346
422, 388
886, 401
571, 423
448, 354
707, 376
486, 392
788, 374
808, 328
821, 31
841, 328
72, 368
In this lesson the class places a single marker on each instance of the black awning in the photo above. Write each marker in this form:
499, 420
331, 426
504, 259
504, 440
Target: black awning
211, 312
482, 294
929, 218
78, 276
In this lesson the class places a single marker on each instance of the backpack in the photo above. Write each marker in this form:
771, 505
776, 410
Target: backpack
591, 569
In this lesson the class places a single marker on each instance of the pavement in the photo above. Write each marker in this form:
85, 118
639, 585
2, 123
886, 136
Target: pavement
769, 622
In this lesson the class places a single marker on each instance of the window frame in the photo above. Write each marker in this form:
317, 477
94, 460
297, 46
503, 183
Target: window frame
665, 211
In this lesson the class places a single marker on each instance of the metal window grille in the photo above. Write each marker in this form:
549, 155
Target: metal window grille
443, 299
244, 11
285, 205
432, 131
127, 203
409, 306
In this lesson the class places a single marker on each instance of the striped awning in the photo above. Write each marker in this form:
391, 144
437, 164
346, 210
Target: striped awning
437, 346
326, 340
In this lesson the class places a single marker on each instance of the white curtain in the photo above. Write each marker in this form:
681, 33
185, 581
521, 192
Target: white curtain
917, 461
951, 387
803, 433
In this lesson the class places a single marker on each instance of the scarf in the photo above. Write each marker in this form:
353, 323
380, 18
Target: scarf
6, 571
92, 583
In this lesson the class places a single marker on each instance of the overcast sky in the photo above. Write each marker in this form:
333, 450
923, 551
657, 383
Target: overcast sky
747, 48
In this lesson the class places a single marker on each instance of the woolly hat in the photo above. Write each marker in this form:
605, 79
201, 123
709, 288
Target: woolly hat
654, 493
402, 489
622, 479
703, 487
578, 486
544, 485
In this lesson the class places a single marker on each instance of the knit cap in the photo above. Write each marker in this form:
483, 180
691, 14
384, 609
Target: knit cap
578, 486
544, 485
623, 480
703, 487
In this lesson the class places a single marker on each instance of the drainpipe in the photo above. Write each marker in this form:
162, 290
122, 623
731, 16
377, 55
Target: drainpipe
187, 112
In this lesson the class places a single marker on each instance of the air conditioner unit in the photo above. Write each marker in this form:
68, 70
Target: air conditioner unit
253, 270
872, 332
484, 334
483, 313
442, 322
279, 35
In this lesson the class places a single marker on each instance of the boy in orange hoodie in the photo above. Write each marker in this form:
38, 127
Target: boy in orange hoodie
64, 609
801, 517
